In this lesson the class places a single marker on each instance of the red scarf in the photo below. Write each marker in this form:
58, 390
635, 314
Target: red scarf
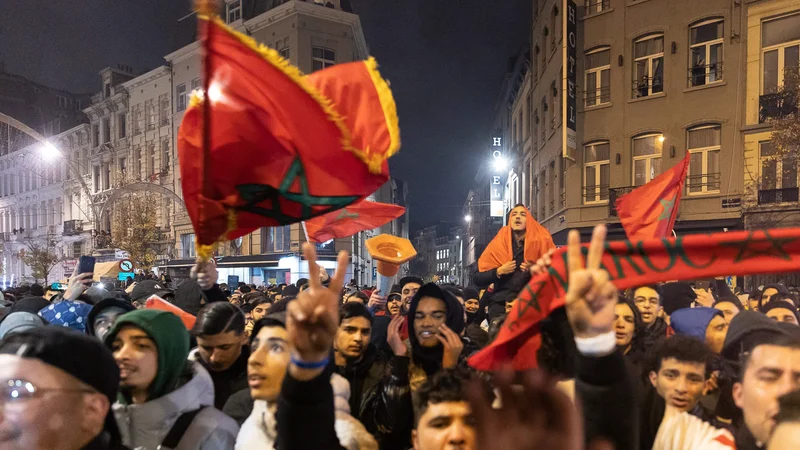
632, 264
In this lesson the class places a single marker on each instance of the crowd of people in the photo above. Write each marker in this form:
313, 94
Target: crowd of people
318, 364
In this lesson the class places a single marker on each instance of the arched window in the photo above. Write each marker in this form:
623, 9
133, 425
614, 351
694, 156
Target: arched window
646, 157
705, 52
703, 144
598, 76
596, 171
648, 65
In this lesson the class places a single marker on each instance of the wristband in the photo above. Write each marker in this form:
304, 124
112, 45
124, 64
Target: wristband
309, 365
599, 345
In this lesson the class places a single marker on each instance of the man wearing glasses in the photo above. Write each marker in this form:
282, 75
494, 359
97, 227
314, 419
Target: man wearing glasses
56, 391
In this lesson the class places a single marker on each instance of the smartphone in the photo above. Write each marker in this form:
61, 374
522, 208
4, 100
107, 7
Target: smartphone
86, 264
703, 284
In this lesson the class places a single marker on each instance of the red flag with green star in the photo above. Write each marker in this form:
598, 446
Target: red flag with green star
360, 216
649, 211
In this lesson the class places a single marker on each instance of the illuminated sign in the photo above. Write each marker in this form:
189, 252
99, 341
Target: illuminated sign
570, 51
497, 182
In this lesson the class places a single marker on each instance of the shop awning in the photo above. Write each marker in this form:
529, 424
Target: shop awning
106, 270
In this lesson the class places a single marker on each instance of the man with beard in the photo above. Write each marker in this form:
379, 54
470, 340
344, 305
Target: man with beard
222, 348
379, 394
507, 258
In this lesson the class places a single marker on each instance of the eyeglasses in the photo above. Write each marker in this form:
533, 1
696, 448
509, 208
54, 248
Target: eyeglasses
21, 390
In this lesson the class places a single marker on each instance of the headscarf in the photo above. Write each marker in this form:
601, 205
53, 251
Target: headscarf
499, 251
430, 358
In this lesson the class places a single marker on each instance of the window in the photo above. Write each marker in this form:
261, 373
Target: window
123, 166
62, 101
107, 176
106, 130
646, 158
180, 94
96, 178
705, 53
542, 190
322, 58
278, 239
150, 110
598, 77
536, 128
107, 90
234, 11
596, 172
704, 146
151, 164
187, 245
780, 50
121, 126
648, 70
544, 49
595, 6
196, 85
778, 175
555, 27
163, 101
138, 156
555, 113
165, 154
535, 63
95, 135
137, 119
544, 125
528, 112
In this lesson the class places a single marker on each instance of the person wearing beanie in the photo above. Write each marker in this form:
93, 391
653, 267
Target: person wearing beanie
781, 311
471, 304
67, 314
730, 307
775, 291
66, 382
18, 322
164, 399
29, 304
104, 314
36, 290
705, 324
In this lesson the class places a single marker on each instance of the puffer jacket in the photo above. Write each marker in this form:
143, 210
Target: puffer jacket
144, 426
380, 396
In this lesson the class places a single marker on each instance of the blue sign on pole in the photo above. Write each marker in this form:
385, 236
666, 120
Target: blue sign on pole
123, 276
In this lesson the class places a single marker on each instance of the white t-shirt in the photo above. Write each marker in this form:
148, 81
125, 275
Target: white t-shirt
684, 431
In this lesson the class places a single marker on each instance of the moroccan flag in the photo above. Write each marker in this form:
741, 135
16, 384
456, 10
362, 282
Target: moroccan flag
650, 210
631, 264
267, 145
359, 216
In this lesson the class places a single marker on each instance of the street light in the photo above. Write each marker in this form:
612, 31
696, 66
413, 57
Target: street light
50, 152
500, 164
467, 218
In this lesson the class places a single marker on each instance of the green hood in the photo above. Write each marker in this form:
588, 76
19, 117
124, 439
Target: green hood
172, 342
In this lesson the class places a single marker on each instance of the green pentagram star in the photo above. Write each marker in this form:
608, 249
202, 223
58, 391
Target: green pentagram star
255, 194
345, 214
749, 247
668, 205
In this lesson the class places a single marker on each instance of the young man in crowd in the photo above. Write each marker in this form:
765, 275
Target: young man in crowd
222, 348
443, 418
781, 311
57, 390
705, 324
379, 394
648, 300
408, 289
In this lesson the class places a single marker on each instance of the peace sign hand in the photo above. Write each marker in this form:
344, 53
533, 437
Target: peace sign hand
591, 297
313, 318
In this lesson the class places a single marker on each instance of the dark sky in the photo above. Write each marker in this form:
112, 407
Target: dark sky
445, 59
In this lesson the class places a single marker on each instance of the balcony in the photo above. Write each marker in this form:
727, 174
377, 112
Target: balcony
613, 195
705, 74
648, 86
771, 196
594, 6
776, 106
73, 227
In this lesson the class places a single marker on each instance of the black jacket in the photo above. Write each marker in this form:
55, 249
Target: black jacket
306, 415
380, 397
239, 406
229, 381
506, 287
608, 397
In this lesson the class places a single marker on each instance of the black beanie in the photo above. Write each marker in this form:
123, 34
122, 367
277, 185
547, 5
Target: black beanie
777, 304
675, 296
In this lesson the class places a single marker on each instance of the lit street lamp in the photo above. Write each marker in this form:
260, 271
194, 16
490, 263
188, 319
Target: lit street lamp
468, 218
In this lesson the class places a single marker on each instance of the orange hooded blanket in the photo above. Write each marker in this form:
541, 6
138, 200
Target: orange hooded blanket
537, 242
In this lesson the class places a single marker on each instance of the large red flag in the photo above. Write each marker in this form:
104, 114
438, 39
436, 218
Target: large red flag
360, 216
631, 264
276, 146
650, 210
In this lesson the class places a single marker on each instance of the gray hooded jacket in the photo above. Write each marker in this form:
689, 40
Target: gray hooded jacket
145, 426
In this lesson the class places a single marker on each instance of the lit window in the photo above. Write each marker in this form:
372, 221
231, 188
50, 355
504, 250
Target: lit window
598, 77
648, 70
646, 158
180, 92
704, 148
705, 55
778, 175
780, 49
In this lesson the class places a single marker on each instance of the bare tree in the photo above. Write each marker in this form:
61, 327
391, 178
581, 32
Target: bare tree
133, 227
40, 255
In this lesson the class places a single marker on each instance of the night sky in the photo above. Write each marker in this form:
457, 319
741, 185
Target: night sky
445, 62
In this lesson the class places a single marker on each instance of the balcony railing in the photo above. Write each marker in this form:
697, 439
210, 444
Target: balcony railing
701, 75
591, 194
770, 196
613, 195
73, 227
598, 96
594, 6
647, 86
776, 106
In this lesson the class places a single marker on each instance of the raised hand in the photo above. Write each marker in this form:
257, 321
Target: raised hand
542, 264
452, 346
393, 336
206, 274
377, 301
539, 417
591, 297
313, 318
